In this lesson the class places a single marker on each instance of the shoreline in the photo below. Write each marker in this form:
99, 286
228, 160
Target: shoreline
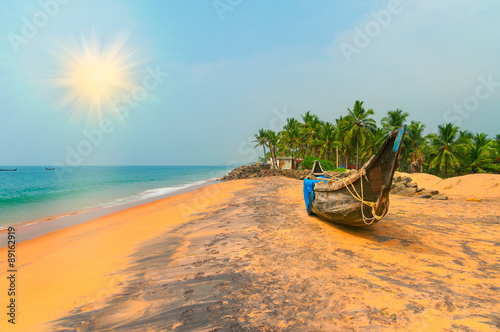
28, 230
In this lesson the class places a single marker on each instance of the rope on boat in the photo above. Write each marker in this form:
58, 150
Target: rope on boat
368, 221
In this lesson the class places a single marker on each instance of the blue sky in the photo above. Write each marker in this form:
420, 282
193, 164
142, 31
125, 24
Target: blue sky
230, 67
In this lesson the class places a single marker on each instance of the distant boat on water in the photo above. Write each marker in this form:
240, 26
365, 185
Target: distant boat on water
8, 169
49, 169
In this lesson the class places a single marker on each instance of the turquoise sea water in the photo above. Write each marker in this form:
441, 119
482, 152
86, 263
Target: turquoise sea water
33, 193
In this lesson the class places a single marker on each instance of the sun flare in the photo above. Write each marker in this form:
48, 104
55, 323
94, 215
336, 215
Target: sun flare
95, 74
96, 79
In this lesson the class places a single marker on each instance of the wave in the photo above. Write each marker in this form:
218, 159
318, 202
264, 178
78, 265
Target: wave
156, 192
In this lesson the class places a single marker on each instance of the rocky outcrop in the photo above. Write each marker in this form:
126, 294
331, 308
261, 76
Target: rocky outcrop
405, 186
258, 171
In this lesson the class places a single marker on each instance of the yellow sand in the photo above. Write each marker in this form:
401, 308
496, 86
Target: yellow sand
472, 185
78, 265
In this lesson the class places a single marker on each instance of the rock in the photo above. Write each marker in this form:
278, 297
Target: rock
440, 197
407, 180
259, 170
398, 187
425, 195
420, 189
406, 191
434, 192
412, 185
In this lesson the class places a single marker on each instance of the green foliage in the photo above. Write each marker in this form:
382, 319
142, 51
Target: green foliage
446, 145
353, 137
393, 120
325, 164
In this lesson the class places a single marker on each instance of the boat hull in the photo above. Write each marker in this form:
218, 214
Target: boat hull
342, 208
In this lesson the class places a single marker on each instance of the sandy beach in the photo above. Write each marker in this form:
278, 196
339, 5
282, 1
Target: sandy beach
244, 255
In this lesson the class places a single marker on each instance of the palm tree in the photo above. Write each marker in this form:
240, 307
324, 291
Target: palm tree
497, 149
465, 136
417, 141
260, 139
341, 143
375, 142
337, 140
445, 144
272, 140
310, 131
292, 130
290, 136
480, 153
394, 120
307, 118
417, 160
465, 140
360, 125
315, 136
327, 138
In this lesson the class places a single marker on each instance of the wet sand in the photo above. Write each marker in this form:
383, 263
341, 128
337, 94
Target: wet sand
244, 255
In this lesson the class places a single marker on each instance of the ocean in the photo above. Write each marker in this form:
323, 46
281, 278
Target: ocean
33, 193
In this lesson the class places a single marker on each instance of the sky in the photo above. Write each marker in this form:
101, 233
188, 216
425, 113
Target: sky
189, 82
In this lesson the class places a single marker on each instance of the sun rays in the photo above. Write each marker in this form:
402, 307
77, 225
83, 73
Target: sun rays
94, 73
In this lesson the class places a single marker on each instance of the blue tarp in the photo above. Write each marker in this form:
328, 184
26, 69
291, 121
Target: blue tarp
309, 192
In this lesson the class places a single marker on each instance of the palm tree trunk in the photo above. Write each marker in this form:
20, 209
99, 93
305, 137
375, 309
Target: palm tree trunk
357, 150
337, 150
273, 157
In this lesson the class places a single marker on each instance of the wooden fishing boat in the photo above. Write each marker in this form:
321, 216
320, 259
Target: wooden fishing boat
49, 169
8, 169
362, 198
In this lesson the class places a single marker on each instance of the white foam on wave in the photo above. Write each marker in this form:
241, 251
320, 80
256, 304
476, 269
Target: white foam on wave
156, 192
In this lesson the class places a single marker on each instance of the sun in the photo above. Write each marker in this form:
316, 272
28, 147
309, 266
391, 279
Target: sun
95, 73
96, 79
